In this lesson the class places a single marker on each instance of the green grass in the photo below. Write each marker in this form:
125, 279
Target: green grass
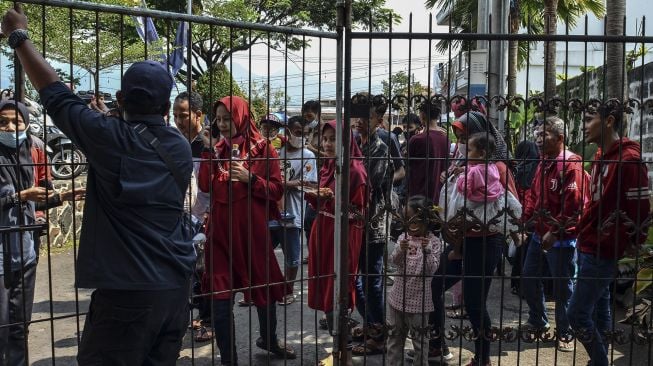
67, 247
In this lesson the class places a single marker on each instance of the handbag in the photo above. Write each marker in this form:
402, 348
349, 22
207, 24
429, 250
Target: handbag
191, 226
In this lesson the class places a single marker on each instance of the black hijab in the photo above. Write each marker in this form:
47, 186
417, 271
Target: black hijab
527, 156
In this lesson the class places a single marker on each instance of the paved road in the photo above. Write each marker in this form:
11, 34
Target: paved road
55, 342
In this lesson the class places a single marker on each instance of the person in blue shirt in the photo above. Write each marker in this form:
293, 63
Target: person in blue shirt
133, 248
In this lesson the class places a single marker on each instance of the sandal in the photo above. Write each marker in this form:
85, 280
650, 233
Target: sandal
245, 303
204, 334
196, 324
324, 324
369, 348
566, 346
357, 333
287, 300
453, 306
278, 349
457, 314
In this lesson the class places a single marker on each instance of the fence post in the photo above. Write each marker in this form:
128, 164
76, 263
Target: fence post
341, 228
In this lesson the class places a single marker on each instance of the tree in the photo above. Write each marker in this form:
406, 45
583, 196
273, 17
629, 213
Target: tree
400, 86
525, 14
211, 46
550, 27
615, 71
214, 45
86, 28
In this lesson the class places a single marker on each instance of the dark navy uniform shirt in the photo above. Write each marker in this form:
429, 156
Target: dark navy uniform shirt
131, 236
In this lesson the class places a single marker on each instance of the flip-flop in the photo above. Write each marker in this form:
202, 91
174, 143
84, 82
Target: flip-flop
456, 314
287, 300
324, 325
357, 333
196, 324
244, 303
204, 334
370, 348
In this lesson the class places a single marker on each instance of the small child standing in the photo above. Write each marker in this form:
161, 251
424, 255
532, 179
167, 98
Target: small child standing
416, 257
480, 191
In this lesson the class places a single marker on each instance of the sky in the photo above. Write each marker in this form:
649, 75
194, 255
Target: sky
319, 76
318, 73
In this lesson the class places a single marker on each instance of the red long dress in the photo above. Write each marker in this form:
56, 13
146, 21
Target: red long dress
320, 245
321, 251
248, 258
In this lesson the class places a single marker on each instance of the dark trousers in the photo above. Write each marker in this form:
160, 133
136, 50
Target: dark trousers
589, 307
480, 258
15, 314
201, 303
225, 330
369, 286
134, 327
517, 263
562, 264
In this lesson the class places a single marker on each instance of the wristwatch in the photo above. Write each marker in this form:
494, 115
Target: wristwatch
17, 37
14, 199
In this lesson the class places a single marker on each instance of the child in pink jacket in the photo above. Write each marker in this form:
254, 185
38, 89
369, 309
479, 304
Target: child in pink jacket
479, 190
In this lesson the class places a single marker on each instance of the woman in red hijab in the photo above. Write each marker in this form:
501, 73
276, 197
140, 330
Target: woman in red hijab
243, 176
320, 246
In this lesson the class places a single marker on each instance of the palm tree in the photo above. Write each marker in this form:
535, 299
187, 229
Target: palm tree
523, 14
550, 27
615, 67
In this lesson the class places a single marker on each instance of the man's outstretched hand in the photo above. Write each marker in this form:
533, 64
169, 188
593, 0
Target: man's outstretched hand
12, 20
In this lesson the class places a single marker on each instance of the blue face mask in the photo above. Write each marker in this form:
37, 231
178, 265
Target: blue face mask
9, 138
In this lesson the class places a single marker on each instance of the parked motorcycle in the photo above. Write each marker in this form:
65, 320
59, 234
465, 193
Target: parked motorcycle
66, 160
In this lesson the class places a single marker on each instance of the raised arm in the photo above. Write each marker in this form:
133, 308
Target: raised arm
39, 71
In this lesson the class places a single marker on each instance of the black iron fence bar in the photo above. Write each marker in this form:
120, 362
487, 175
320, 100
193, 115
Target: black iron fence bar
504, 37
79, 5
22, 228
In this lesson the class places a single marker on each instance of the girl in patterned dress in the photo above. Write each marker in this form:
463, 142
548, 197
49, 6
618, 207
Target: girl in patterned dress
417, 256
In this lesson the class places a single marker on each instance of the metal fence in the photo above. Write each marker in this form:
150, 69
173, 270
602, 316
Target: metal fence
471, 287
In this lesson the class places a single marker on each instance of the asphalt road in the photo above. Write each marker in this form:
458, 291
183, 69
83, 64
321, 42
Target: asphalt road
55, 341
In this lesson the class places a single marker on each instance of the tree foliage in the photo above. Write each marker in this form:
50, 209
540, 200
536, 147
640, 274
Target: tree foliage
58, 25
211, 45
464, 16
400, 86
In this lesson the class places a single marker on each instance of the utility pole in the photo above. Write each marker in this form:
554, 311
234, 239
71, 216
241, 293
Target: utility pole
482, 23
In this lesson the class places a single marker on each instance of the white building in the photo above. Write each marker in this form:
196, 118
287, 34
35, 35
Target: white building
571, 59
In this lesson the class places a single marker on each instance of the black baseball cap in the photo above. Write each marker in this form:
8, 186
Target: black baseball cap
146, 83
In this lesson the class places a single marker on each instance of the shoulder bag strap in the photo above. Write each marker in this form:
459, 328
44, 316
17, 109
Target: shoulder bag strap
144, 132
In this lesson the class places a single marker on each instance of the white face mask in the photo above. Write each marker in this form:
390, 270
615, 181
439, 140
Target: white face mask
313, 124
297, 141
9, 138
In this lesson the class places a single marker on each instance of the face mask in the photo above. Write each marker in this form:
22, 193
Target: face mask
313, 124
297, 142
9, 138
